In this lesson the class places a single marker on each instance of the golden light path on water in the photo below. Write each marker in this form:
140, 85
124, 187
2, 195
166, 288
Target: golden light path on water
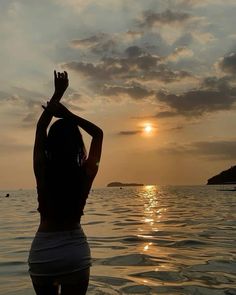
153, 213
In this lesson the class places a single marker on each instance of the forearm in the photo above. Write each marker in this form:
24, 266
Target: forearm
46, 117
89, 127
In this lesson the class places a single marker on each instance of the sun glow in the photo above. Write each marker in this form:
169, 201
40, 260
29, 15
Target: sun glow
148, 129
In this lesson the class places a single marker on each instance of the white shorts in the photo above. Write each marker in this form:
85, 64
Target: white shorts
59, 253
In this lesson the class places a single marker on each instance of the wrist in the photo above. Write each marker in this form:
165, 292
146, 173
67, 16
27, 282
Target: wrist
57, 95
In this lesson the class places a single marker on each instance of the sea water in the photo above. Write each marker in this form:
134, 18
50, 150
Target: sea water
144, 240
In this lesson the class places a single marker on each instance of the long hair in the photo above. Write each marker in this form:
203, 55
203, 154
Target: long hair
66, 153
65, 145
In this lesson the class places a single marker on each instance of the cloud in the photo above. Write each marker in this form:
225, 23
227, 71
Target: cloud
220, 150
88, 42
151, 18
203, 37
213, 95
116, 67
166, 114
177, 128
180, 52
128, 133
100, 44
136, 63
166, 75
132, 35
134, 51
228, 63
184, 40
204, 2
135, 91
22, 103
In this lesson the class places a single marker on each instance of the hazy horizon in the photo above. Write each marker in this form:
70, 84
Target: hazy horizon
167, 64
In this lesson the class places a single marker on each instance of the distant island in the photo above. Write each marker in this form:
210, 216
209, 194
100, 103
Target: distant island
225, 177
120, 184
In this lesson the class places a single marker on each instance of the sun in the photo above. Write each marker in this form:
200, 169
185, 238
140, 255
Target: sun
148, 129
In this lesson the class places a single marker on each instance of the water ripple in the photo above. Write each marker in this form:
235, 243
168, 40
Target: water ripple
146, 240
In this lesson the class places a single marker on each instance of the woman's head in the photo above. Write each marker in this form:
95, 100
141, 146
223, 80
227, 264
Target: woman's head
65, 142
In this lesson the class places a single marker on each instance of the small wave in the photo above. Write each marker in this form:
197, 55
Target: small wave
136, 289
226, 266
188, 243
128, 223
93, 222
130, 260
165, 276
114, 281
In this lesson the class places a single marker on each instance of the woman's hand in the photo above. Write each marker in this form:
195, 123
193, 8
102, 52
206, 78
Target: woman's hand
61, 82
57, 109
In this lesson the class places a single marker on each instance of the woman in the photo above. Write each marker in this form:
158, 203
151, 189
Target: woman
59, 254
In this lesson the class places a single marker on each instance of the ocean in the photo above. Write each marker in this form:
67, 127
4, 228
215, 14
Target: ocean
144, 240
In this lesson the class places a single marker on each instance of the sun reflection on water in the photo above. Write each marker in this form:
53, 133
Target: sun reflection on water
152, 215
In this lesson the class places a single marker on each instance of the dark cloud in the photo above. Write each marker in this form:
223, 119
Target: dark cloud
135, 91
112, 68
220, 150
130, 132
180, 52
99, 44
166, 75
111, 76
177, 128
137, 64
135, 33
151, 18
27, 99
228, 63
200, 101
109, 46
191, 2
184, 40
88, 42
134, 51
91, 70
217, 83
166, 114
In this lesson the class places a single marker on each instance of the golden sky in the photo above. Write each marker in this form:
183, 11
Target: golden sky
167, 64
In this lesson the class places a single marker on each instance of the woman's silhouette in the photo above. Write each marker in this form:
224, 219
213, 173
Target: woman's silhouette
60, 254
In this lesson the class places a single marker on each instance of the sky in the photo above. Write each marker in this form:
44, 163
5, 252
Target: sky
170, 64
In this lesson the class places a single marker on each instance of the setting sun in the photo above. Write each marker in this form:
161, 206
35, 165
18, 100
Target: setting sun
148, 128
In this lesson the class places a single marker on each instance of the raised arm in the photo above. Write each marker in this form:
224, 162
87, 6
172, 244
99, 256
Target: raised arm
39, 157
92, 162
95, 150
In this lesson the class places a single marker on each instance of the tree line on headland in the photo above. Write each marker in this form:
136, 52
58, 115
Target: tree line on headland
224, 177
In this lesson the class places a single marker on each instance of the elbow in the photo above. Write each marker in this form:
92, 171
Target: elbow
41, 126
99, 133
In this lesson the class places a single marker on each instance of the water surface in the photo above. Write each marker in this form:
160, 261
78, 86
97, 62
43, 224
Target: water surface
144, 240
